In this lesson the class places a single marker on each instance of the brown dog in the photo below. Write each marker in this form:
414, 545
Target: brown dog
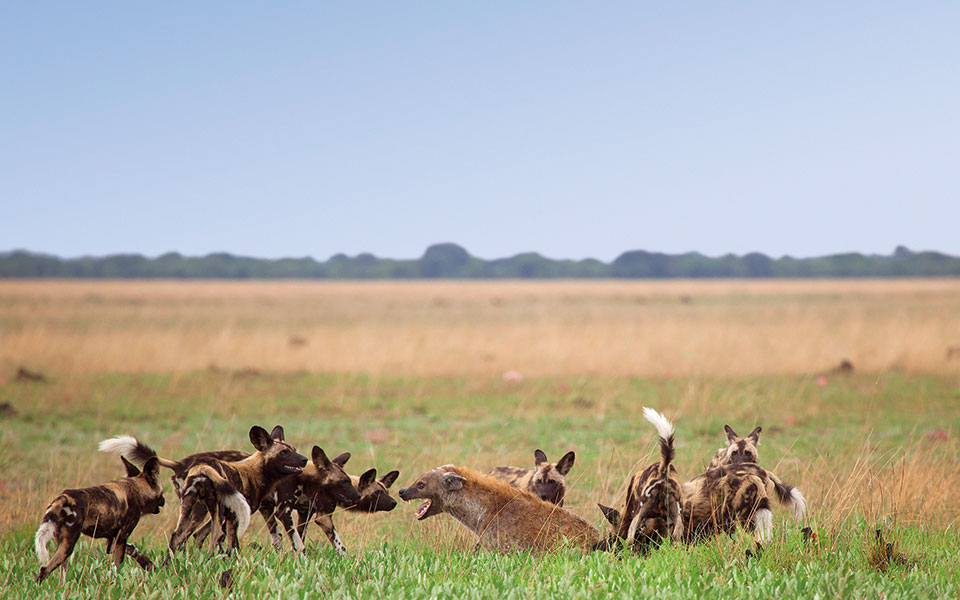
651, 510
546, 480
111, 511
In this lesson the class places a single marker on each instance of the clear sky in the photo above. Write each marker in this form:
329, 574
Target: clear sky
575, 129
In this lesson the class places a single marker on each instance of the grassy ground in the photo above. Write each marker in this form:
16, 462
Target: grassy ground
868, 451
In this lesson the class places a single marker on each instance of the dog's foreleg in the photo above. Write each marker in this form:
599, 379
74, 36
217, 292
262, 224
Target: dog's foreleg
326, 524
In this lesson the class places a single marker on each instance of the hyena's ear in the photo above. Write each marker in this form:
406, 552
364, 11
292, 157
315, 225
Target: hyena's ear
342, 459
277, 433
132, 470
367, 478
388, 479
611, 514
320, 458
452, 482
566, 463
755, 435
151, 470
539, 457
260, 439
731, 434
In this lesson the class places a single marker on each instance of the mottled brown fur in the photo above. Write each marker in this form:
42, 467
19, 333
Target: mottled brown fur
651, 509
547, 480
317, 490
110, 511
722, 498
738, 449
208, 484
503, 517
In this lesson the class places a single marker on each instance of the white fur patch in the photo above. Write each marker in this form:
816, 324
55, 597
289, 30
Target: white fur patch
799, 504
45, 533
298, 544
123, 444
238, 504
341, 549
763, 524
663, 425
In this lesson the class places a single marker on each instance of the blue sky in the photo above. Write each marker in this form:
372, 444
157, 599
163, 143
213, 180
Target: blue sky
571, 129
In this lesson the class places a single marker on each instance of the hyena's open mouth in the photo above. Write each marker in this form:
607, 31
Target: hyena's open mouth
422, 509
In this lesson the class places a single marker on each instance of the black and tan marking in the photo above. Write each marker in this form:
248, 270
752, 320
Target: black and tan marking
318, 490
547, 480
722, 499
651, 510
110, 511
738, 449
374, 492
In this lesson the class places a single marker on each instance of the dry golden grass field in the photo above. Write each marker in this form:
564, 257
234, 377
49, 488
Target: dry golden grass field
410, 375
482, 328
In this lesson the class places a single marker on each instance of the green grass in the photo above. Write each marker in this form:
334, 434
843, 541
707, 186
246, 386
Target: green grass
868, 451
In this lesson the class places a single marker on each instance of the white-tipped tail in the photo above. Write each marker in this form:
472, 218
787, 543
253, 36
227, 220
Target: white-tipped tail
122, 444
47, 530
763, 524
663, 425
238, 506
799, 504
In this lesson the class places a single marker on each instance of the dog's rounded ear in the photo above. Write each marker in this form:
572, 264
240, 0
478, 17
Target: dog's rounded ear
611, 514
277, 433
566, 463
731, 434
755, 435
539, 456
367, 478
260, 439
320, 458
342, 459
132, 470
452, 481
388, 479
151, 470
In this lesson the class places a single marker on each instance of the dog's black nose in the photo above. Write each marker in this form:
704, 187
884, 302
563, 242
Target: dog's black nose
403, 493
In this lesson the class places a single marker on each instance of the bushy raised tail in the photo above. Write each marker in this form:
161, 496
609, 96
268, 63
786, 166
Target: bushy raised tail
665, 431
790, 496
134, 450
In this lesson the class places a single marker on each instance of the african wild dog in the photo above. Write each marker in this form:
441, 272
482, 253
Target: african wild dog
546, 480
110, 511
722, 498
317, 490
743, 450
374, 496
503, 517
738, 449
236, 487
651, 510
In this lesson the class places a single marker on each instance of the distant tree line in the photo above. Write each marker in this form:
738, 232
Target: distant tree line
452, 261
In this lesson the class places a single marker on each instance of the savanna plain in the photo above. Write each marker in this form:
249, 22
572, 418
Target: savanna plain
413, 375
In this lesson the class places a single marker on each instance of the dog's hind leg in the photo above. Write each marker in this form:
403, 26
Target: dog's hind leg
66, 540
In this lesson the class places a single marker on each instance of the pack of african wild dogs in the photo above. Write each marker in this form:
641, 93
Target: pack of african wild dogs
508, 508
